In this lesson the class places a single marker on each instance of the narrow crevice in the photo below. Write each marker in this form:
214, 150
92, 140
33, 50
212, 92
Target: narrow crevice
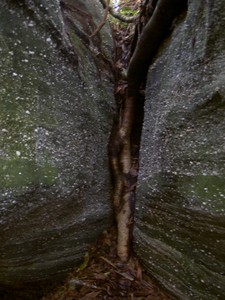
124, 144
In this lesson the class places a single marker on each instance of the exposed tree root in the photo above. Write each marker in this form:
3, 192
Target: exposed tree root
103, 276
125, 138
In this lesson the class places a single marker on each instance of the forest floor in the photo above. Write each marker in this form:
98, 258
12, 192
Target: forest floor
103, 276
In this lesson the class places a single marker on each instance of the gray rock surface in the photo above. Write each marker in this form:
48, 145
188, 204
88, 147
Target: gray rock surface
180, 223
56, 95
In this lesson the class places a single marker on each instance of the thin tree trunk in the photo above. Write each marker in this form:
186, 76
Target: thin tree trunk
124, 137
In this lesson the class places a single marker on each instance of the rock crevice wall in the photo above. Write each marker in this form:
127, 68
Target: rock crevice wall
56, 95
181, 196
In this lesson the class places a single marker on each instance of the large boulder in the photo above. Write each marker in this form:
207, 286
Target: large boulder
180, 223
56, 93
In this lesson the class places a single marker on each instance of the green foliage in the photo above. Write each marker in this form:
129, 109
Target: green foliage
127, 8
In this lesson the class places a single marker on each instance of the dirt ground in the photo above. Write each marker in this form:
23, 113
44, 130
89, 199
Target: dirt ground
103, 276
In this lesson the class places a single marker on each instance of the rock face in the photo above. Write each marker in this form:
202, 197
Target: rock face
180, 223
56, 94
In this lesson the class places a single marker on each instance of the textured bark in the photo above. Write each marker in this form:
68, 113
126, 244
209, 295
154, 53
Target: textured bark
121, 151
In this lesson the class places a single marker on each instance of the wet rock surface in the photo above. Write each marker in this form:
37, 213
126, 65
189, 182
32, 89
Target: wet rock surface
180, 224
56, 94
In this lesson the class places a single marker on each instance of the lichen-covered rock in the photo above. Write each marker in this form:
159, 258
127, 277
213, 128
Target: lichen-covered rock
56, 97
180, 223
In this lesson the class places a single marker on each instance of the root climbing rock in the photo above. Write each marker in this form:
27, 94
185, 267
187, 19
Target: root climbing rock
125, 138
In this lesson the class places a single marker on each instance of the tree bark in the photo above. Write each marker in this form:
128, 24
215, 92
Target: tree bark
127, 131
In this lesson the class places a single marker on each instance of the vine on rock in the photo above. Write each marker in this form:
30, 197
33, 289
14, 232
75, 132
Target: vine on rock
123, 148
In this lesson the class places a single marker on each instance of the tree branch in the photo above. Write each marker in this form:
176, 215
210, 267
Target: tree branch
117, 15
151, 37
103, 20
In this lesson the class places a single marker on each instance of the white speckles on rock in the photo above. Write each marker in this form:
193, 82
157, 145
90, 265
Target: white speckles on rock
180, 217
